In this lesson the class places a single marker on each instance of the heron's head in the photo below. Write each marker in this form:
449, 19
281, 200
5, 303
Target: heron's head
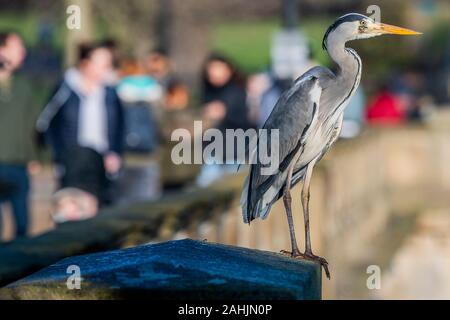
354, 26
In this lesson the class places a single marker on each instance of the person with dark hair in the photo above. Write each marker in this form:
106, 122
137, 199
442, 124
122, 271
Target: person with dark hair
113, 78
83, 123
224, 95
224, 101
17, 117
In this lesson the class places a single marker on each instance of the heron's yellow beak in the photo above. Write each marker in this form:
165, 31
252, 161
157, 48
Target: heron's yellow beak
389, 29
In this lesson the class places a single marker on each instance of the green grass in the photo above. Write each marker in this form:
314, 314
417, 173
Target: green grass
248, 43
25, 24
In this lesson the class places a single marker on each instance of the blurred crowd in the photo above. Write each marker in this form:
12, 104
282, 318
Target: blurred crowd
108, 122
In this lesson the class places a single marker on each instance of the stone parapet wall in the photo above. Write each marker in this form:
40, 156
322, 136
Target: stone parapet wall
355, 189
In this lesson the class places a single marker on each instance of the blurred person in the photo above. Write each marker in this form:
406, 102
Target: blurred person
159, 67
176, 114
177, 96
400, 101
224, 96
257, 85
410, 88
83, 123
17, 117
224, 101
386, 108
280, 83
354, 115
113, 77
44, 62
73, 204
270, 98
136, 85
83, 182
140, 95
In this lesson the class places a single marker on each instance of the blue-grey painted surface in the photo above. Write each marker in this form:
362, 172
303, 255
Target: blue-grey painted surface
183, 269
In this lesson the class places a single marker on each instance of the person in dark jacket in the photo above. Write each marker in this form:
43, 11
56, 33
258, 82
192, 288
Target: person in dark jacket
224, 96
224, 101
17, 117
85, 117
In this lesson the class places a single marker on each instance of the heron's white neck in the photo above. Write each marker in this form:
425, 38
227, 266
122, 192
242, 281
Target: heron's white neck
349, 63
349, 69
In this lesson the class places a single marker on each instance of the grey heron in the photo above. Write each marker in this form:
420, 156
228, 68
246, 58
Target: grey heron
309, 119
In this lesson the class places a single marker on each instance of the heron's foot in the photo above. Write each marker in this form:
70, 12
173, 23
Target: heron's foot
292, 254
310, 257
324, 263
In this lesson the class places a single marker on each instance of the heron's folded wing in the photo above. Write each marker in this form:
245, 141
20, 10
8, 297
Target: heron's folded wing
292, 116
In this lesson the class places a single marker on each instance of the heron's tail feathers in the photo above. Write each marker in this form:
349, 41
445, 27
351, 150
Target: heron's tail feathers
246, 213
261, 208
257, 204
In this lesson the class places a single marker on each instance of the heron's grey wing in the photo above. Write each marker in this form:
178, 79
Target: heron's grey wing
292, 117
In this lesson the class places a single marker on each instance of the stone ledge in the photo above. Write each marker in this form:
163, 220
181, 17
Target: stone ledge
116, 228
183, 269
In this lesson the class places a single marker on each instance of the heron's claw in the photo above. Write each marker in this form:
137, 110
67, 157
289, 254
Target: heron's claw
320, 260
311, 257
295, 254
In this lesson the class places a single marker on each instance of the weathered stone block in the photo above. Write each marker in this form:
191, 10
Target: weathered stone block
183, 269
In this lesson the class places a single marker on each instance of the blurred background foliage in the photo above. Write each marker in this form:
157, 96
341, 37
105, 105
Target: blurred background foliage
248, 43
245, 34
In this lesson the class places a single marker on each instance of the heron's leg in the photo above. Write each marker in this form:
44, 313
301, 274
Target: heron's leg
305, 203
287, 199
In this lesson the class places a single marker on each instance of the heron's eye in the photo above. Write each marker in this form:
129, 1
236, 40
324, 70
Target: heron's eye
362, 25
